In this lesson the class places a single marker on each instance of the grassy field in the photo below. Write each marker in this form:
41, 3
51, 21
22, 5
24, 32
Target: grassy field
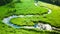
52, 18
27, 7
22, 21
5, 29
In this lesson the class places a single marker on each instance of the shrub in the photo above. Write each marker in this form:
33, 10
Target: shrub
3, 2
56, 2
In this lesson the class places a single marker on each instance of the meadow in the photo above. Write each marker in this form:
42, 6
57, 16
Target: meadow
27, 7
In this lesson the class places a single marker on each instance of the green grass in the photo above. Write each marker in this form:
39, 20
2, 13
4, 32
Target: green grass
54, 17
22, 21
26, 20
27, 7
6, 10
5, 29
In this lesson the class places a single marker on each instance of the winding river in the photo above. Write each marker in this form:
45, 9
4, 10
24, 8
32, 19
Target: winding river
7, 21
